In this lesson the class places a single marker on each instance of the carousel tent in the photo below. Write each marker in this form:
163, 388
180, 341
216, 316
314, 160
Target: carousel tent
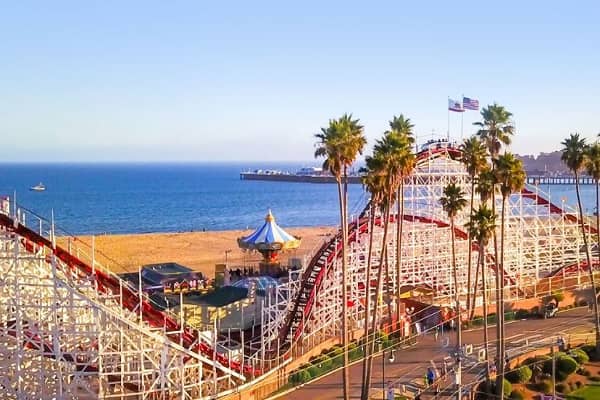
269, 237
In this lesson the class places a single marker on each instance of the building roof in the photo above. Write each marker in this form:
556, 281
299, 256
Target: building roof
269, 236
218, 298
157, 274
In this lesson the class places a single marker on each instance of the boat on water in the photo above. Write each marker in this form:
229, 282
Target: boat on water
307, 175
38, 188
318, 175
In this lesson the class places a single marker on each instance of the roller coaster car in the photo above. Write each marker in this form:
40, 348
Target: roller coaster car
550, 310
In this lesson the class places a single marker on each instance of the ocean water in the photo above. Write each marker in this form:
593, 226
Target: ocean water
139, 198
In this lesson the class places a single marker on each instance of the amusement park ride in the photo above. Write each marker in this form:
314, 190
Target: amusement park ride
71, 328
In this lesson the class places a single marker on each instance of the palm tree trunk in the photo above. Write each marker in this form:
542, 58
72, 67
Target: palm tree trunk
364, 387
377, 293
500, 345
475, 287
458, 312
388, 285
485, 305
498, 290
597, 222
345, 374
399, 227
470, 251
589, 262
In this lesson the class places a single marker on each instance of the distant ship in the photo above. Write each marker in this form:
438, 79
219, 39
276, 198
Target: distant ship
308, 175
318, 175
38, 188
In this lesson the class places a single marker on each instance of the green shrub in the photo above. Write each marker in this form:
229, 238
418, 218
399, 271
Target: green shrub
301, 375
588, 348
565, 366
337, 356
314, 371
562, 388
507, 386
489, 387
519, 375
545, 386
579, 356
521, 314
491, 318
354, 352
539, 364
509, 316
584, 372
516, 395
323, 362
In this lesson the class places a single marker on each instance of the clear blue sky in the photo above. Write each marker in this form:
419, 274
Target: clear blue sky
201, 81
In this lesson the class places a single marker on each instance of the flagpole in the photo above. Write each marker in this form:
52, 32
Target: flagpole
448, 131
462, 117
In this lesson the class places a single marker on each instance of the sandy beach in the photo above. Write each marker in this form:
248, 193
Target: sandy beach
197, 250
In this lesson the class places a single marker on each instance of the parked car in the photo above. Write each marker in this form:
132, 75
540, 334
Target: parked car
550, 310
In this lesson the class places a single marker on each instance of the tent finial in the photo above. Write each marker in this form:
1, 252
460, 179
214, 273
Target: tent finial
269, 217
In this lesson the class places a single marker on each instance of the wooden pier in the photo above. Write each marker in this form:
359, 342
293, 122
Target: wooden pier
559, 180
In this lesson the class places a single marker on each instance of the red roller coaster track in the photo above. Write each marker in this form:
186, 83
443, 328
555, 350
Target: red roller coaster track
109, 283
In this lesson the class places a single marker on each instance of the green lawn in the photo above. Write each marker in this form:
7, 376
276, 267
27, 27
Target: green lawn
591, 392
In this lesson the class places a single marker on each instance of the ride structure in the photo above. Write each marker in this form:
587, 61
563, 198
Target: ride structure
70, 327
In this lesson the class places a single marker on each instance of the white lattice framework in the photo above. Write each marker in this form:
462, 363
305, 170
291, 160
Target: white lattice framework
540, 239
61, 336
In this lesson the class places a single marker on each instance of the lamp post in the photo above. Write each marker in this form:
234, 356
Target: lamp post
391, 360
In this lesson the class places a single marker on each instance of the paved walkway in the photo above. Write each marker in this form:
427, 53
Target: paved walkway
411, 363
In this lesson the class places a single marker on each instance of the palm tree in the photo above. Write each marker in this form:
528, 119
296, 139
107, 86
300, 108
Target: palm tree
485, 187
481, 226
473, 155
404, 161
383, 162
592, 166
373, 181
340, 144
453, 201
496, 129
573, 155
511, 178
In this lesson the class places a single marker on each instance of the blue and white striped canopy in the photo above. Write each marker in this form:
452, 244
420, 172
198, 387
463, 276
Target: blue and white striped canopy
270, 236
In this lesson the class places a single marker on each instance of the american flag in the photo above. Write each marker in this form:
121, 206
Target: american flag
470, 104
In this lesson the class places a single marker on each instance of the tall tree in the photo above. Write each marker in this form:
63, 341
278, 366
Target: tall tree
592, 166
473, 155
511, 178
573, 155
453, 201
481, 225
496, 130
373, 181
404, 161
486, 186
340, 144
383, 161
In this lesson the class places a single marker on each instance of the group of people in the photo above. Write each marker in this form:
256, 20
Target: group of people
235, 275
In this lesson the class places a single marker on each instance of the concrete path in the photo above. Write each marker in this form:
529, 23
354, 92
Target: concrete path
411, 364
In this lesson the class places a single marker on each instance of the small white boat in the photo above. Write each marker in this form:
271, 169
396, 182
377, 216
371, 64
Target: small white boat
38, 188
